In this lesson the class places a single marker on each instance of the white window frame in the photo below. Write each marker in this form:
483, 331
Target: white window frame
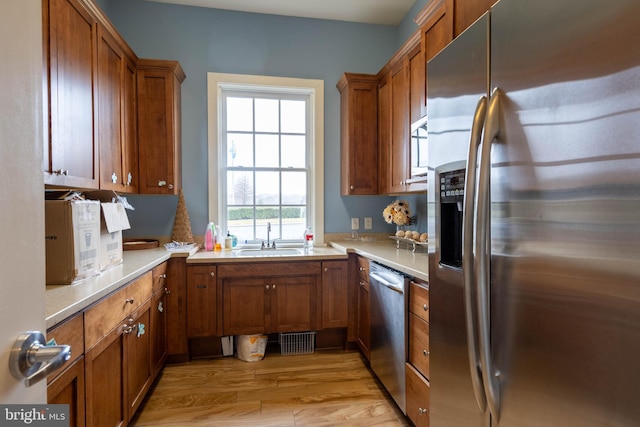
315, 88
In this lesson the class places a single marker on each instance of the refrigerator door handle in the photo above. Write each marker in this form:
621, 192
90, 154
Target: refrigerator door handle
467, 252
482, 260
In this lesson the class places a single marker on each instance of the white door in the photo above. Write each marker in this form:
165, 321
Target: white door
22, 262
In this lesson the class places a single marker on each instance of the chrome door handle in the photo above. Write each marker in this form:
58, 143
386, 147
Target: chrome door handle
467, 252
34, 361
483, 254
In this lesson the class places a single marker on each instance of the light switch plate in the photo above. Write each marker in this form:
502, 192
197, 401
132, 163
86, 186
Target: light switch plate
367, 223
355, 223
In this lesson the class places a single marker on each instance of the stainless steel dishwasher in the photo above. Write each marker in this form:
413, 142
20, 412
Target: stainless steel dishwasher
389, 301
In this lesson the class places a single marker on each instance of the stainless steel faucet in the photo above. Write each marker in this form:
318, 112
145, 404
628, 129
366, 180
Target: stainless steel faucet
268, 232
269, 245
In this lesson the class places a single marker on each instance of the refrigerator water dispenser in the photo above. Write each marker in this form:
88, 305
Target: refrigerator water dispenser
451, 203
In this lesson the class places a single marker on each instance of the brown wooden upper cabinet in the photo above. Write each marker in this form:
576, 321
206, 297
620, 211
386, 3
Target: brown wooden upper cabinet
384, 132
358, 134
70, 148
159, 126
98, 93
467, 11
402, 100
116, 114
398, 150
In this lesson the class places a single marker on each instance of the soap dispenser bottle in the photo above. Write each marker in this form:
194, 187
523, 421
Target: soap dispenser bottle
209, 237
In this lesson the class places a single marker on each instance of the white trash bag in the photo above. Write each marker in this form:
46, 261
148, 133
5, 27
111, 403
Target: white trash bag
251, 348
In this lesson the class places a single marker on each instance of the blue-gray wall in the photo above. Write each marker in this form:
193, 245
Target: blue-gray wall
211, 40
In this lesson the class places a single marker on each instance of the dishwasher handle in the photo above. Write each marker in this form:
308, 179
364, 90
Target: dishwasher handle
395, 285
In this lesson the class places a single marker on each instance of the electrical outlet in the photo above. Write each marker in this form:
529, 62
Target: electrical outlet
367, 223
355, 223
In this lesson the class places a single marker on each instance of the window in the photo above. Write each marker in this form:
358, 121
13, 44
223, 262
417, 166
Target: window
265, 156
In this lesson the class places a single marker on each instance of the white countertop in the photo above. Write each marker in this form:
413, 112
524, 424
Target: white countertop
63, 301
415, 264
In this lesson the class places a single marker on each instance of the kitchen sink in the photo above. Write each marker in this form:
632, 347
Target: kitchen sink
268, 252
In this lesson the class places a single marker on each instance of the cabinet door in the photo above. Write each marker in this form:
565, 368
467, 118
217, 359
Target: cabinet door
364, 320
130, 176
177, 347
335, 294
104, 376
68, 389
201, 301
358, 134
384, 134
71, 156
116, 115
158, 331
419, 344
159, 131
108, 118
293, 304
245, 305
418, 394
418, 109
417, 84
137, 348
399, 148
467, 11
158, 318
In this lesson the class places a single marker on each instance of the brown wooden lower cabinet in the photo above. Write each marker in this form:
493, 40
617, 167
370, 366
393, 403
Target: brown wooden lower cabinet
419, 344
334, 294
104, 369
158, 330
118, 371
269, 297
68, 388
417, 397
364, 319
137, 363
177, 344
201, 301
266, 305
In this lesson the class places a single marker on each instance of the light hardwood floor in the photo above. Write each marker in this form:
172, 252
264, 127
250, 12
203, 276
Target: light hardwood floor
326, 388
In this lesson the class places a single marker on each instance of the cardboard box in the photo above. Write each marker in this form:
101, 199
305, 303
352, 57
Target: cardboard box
72, 241
114, 220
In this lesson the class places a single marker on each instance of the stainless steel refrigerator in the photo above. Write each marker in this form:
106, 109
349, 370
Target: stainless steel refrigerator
534, 217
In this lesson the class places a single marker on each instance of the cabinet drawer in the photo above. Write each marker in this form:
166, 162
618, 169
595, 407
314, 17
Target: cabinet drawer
418, 393
363, 269
70, 332
419, 344
109, 312
419, 300
159, 274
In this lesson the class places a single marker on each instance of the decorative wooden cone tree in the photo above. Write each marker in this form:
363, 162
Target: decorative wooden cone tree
182, 225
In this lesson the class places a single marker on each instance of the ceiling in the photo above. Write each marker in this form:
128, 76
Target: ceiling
387, 12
